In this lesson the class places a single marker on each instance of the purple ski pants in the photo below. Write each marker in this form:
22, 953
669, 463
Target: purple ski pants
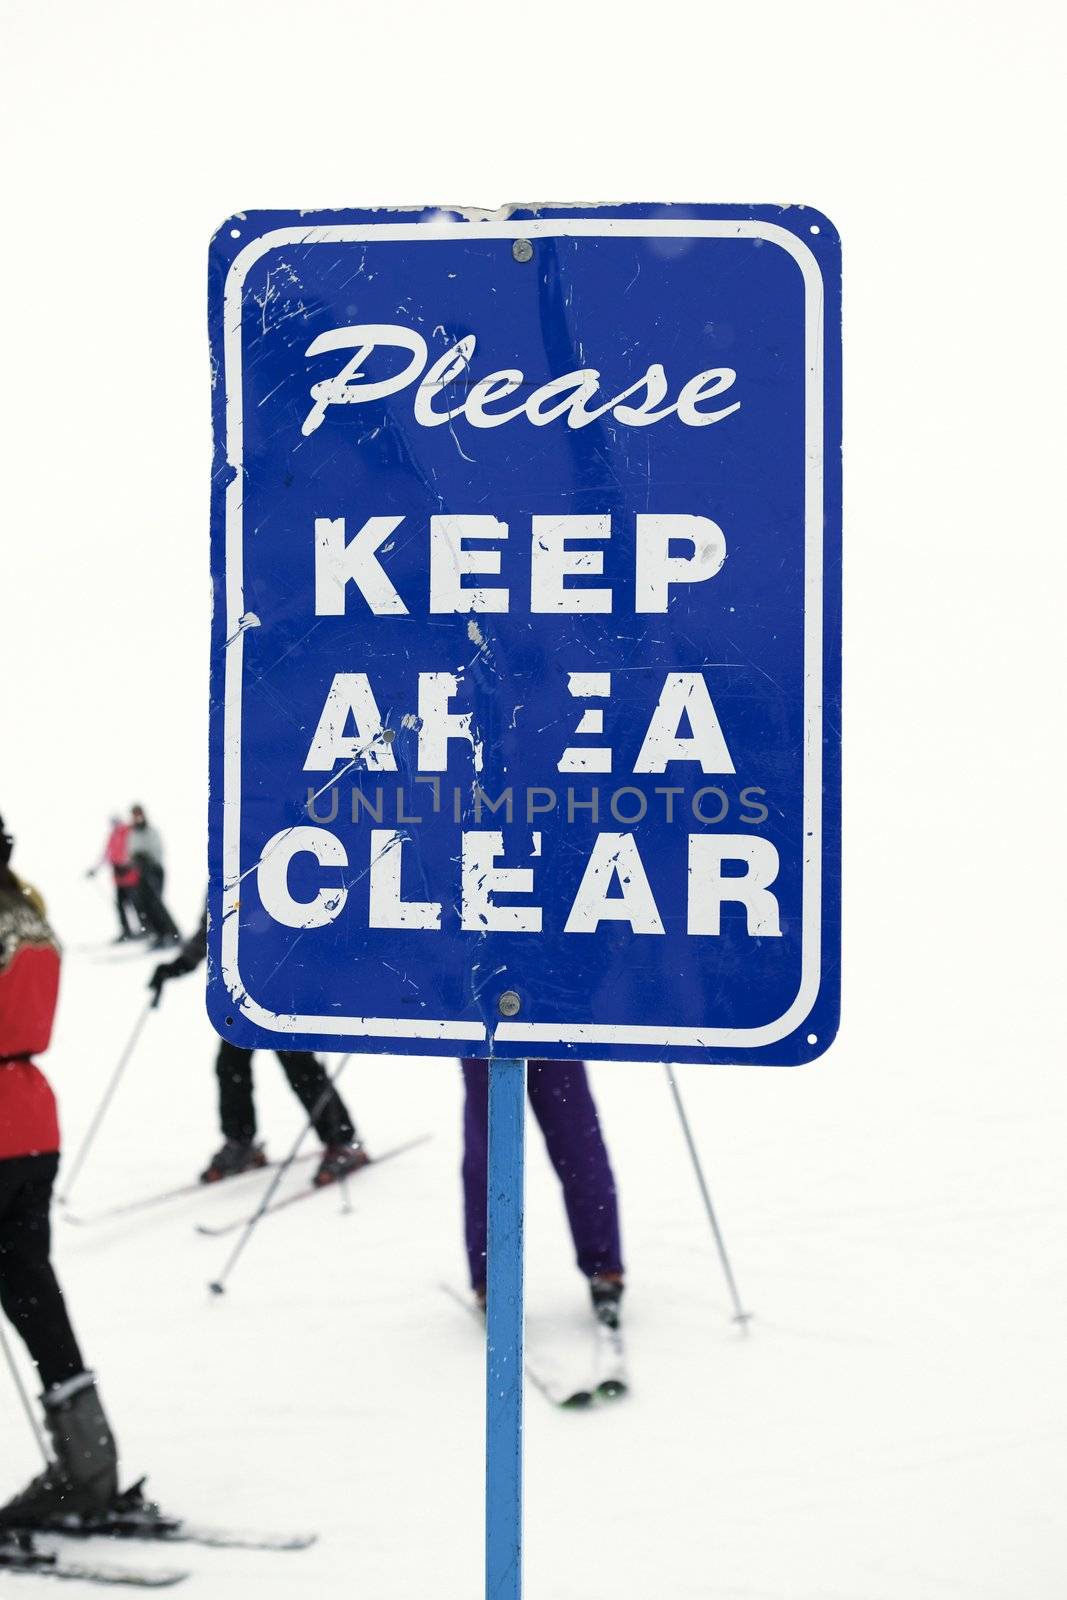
563, 1105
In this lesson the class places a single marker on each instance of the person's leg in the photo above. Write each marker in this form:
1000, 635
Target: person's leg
148, 906
320, 1099
82, 1478
131, 896
564, 1106
29, 1291
237, 1111
167, 922
121, 897
131, 921
475, 1167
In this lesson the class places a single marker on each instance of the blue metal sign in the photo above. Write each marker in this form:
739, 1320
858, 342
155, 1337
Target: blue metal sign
525, 652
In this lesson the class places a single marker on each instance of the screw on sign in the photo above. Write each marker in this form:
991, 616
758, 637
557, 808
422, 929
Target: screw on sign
525, 655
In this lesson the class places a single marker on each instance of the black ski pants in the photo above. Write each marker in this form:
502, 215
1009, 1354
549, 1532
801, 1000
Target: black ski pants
29, 1290
154, 913
130, 922
307, 1075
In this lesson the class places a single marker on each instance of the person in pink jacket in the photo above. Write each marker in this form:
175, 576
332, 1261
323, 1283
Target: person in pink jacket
116, 855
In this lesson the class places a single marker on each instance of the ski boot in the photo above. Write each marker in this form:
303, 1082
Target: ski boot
606, 1290
132, 1515
82, 1481
234, 1157
339, 1161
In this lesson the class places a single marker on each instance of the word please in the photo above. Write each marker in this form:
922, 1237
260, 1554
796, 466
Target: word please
462, 547
614, 886
563, 396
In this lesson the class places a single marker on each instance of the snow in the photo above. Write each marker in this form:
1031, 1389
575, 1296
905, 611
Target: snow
894, 1425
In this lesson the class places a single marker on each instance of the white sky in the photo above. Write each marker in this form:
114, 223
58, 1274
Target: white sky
928, 132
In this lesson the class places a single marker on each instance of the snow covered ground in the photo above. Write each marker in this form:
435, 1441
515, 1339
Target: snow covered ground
893, 1425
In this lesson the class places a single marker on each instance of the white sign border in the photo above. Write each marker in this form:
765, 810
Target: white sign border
531, 1033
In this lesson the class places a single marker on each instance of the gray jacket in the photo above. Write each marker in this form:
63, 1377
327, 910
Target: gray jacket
145, 841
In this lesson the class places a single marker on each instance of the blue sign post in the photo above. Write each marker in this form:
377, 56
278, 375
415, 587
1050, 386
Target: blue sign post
525, 653
504, 1331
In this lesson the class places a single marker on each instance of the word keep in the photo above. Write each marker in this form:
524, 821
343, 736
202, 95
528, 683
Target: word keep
463, 548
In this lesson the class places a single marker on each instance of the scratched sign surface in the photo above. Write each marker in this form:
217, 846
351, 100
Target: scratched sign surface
525, 651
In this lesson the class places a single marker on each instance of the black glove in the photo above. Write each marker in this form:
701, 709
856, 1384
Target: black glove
165, 970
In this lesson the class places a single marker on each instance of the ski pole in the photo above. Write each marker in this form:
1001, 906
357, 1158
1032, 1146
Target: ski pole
97, 885
218, 1285
101, 1110
35, 1426
741, 1315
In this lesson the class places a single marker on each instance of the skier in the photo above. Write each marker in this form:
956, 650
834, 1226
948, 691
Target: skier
83, 1479
116, 853
146, 855
563, 1105
343, 1150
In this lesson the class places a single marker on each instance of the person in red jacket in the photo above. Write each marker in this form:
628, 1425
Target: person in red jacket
82, 1481
116, 855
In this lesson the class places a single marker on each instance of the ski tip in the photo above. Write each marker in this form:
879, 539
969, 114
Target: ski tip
53, 1565
134, 1578
236, 1539
295, 1541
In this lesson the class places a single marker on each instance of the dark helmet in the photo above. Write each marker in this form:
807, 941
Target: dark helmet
7, 844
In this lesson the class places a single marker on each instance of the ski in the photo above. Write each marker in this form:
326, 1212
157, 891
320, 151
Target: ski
136, 1517
126, 954
146, 1202
155, 1528
218, 1231
21, 1554
102, 947
563, 1397
214, 1538
611, 1382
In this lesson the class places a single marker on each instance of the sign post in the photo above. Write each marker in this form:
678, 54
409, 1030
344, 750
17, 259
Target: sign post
525, 696
504, 1342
